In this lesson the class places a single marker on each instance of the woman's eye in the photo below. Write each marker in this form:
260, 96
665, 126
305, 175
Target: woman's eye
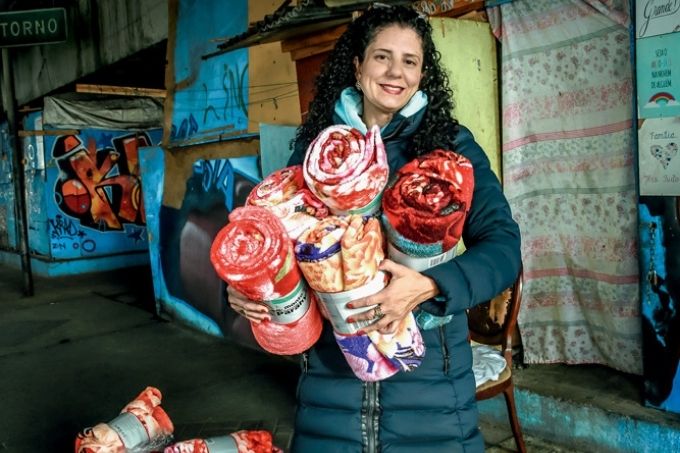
380, 57
411, 62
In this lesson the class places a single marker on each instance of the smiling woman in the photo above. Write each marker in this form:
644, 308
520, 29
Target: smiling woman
390, 73
384, 73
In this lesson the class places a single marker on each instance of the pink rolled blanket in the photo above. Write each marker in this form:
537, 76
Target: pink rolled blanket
347, 170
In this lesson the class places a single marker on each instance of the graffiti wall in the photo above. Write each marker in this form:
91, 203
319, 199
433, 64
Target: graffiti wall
185, 283
210, 100
84, 192
8, 233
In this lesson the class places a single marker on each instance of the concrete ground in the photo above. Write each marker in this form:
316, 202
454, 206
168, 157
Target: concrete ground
75, 353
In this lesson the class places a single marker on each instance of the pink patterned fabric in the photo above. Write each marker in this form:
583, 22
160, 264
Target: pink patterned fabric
346, 170
568, 174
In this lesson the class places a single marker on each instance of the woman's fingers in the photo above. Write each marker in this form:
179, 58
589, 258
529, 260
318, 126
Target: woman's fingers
254, 311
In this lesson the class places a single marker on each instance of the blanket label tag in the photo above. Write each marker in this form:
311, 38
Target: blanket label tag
419, 263
222, 444
335, 304
290, 307
130, 430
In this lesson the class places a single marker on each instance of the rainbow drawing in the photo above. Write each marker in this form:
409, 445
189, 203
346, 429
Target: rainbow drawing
662, 99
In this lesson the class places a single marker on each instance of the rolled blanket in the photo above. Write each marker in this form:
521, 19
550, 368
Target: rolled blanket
142, 425
244, 441
254, 255
346, 170
424, 211
339, 258
285, 194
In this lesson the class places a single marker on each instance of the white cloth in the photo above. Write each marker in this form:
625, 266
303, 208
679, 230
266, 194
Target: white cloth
487, 363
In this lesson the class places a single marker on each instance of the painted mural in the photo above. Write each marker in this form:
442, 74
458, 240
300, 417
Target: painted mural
210, 99
96, 207
185, 283
84, 194
99, 183
660, 268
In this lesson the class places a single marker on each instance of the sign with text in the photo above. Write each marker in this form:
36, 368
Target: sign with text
32, 27
657, 17
658, 76
659, 143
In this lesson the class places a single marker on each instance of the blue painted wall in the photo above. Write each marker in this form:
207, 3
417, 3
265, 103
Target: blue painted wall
8, 232
185, 283
211, 96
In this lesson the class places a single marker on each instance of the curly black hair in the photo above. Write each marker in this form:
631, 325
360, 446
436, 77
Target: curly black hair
337, 73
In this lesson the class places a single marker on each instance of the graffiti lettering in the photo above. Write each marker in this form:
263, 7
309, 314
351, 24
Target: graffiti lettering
229, 99
61, 228
100, 187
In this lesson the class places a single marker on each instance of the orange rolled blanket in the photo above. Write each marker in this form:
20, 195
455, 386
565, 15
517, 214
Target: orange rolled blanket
254, 255
142, 425
285, 194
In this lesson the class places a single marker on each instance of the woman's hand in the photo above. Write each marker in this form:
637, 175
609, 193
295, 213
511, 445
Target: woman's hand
253, 311
406, 290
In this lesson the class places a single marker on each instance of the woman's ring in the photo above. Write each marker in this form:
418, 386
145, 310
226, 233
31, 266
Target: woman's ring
377, 314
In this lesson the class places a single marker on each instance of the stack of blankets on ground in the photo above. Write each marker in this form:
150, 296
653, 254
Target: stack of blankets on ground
330, 210
144, 427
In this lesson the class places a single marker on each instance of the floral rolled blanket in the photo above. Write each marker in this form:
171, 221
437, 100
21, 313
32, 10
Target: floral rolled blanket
142, 425
285, 194
245, 441
339, 258
424, 211
346, 170
254, 255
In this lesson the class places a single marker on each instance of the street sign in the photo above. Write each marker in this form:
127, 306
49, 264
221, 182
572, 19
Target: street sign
32, 27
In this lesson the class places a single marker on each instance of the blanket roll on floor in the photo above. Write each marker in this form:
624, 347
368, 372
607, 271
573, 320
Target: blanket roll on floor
142, 425
254, 255
245, 441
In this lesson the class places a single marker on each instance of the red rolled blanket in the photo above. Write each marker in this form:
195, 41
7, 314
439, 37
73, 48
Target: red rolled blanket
254, 255
424, 210
285, 193
142, 425
346, 170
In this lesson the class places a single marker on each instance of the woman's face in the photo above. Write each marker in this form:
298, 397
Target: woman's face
391, 71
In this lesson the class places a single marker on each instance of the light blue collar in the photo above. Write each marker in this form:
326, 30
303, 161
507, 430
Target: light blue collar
350, 106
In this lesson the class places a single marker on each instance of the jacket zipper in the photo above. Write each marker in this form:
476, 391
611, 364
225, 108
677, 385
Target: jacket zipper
445, 348
305, 361
370, 417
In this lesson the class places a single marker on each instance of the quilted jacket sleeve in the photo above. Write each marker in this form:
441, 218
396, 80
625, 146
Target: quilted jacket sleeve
492, 258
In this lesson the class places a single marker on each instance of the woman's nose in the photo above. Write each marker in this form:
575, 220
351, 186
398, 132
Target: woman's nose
394, 69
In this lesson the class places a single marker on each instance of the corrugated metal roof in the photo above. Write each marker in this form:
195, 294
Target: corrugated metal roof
289, 21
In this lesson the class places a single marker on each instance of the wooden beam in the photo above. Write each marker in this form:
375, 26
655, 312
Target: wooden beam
49, 132
313, 39
120, 91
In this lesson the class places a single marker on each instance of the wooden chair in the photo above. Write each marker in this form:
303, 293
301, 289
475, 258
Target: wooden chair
493, 323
